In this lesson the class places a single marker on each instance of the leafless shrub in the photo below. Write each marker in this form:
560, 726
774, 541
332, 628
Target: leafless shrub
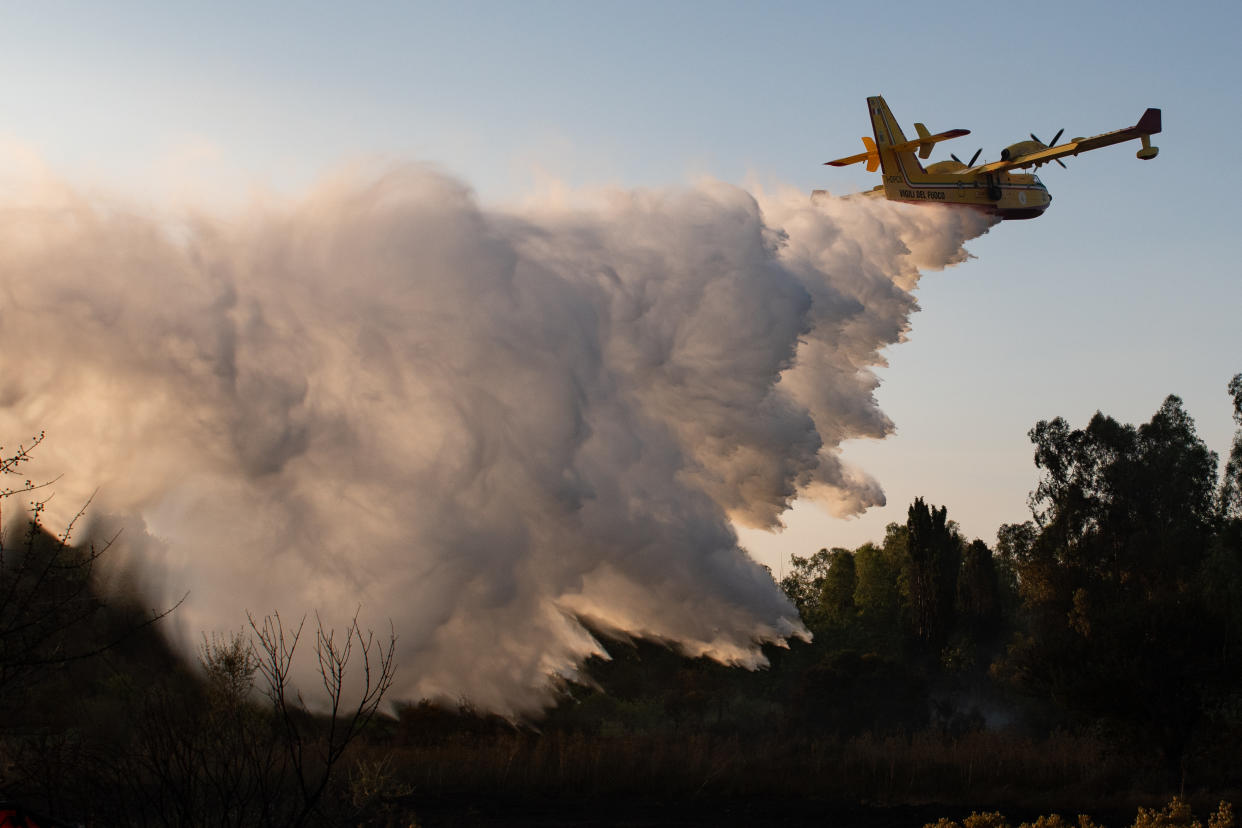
242, 747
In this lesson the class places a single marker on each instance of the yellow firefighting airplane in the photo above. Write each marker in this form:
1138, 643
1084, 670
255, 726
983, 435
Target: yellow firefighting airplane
988, 187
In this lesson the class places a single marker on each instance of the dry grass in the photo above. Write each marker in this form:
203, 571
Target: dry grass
976, 769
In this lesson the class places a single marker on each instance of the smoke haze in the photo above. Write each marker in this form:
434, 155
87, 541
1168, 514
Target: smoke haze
484, 424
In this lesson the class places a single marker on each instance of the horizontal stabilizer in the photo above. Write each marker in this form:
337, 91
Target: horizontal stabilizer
923, 144
925, 140
871, 156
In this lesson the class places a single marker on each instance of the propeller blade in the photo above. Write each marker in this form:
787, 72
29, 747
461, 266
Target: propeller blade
1054, 140
1062, 163
974, 157
955, 158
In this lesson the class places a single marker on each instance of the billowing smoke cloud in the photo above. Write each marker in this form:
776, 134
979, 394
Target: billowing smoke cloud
483, 424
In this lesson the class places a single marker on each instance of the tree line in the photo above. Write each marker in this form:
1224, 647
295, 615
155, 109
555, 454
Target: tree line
1118, 605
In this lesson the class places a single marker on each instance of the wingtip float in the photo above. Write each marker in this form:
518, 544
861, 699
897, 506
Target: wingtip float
991, 187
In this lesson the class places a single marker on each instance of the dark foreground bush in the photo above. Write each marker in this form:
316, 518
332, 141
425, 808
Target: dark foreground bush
1177, 814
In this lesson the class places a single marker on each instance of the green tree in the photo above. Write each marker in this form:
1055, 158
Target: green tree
1125, 505
934, 551
1116, 622
1221, 579
822, 587
978, 590
877, 594
805, 582
836, 597
1014, 542
1231, 482
878, 599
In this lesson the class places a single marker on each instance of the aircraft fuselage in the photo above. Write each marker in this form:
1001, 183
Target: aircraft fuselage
1006, 195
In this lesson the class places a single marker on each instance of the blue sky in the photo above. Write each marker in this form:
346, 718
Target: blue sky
1126, 290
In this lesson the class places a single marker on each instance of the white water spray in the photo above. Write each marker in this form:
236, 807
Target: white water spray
483, 424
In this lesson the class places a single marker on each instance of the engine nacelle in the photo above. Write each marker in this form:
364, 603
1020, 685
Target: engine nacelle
1021, 148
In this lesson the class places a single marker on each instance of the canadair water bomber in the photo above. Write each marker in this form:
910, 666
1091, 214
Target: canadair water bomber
993, 188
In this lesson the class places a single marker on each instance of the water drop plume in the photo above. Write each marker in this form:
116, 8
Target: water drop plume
484, 424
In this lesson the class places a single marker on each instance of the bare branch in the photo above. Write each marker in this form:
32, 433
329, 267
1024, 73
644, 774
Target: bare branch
315, 747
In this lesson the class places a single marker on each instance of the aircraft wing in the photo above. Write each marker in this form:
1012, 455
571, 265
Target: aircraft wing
1149, 124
